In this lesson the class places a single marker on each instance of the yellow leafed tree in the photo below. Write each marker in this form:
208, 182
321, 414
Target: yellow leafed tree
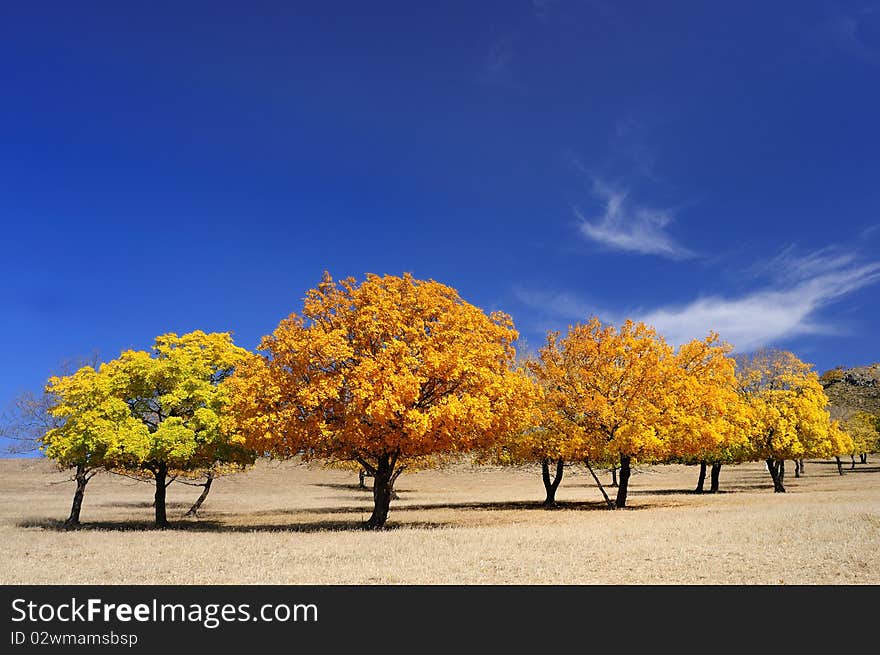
789, 410
710, 421
87, 427
156, 411
544, 438
862, 428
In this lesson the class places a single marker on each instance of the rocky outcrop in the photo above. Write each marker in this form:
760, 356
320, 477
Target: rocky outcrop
852, 390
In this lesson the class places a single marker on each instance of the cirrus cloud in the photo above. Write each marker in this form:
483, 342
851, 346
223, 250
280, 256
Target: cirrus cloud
789, 306
629, 226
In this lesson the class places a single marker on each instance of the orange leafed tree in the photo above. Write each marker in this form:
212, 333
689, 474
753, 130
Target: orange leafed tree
711, 421
544, 438
634, 397
380, 373
612, 384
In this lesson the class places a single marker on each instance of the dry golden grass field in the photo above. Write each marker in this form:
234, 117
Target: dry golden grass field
288, 523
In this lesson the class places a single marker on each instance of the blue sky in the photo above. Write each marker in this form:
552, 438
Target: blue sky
174, 166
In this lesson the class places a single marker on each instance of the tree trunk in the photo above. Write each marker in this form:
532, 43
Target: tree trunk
82, 479
362, 475
716, 473
383, 488
803, 470
774, 467
780, 471
702, 479
853, 458
161, 473
194, 510
394, 477
839, 464
550, 486
863, 458
598, 484
620, 501
797, 468
613, 476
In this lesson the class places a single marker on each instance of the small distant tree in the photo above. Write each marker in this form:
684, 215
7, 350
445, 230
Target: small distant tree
789, 412
862, 428
24, 423
840, 442
831, 375
378, 373
28, 418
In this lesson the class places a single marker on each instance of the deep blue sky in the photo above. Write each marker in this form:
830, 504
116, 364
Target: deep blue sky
173, 166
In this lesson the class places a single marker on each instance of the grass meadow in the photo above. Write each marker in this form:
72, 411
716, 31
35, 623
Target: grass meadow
288, 523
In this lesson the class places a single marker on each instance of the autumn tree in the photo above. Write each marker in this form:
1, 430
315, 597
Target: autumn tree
788, 406
549, 439
156, 411
710, 422
379, 373
86, 429
542, 439
862, 428
633, 397
840, 442
28, 420
177, 395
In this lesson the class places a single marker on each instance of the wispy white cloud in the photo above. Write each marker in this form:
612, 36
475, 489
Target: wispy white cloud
788, 306
848, 30
628, 226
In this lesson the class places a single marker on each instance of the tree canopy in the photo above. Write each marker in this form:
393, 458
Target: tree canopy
157, 411
380, 372
632, 396
789, 411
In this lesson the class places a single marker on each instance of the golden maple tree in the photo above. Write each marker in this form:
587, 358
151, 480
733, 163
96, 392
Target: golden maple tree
381, 372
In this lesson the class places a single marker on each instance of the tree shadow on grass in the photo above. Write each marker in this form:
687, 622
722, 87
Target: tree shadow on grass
667, 492
506, 505
829, 467
55, 525
217, 526
725, 489
421, 507
169, 504
347, 486
860, 468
